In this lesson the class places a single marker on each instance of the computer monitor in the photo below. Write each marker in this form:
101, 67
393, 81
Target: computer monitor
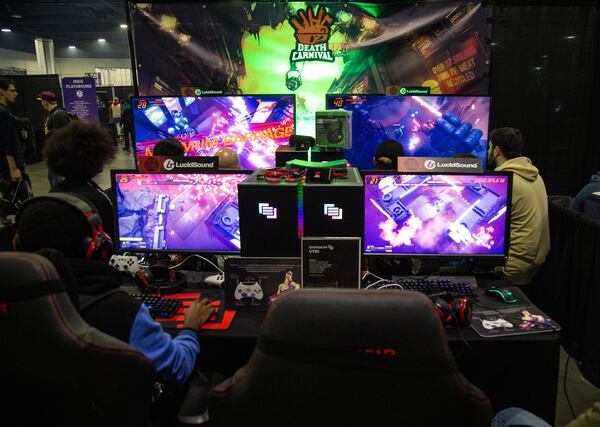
443, 215
426, 126
252, 125
178, 212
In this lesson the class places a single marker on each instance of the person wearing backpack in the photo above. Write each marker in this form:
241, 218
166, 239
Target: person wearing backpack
56, 118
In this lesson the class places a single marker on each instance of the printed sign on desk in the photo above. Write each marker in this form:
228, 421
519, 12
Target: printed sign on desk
252, 284
79, 95
177, 164
331, 262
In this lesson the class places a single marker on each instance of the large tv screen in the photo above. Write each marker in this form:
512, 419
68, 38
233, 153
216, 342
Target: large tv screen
252, 125
426, 126
443, 215
178, 212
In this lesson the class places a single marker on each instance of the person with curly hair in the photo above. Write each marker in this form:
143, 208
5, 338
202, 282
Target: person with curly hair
78, 152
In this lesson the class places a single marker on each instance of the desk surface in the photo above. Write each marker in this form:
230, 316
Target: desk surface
247, 324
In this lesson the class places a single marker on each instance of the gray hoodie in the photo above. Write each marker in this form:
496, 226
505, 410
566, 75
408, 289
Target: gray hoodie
529, 230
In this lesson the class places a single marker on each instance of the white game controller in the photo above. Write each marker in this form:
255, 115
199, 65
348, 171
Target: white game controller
125, 263
493, 324
215, 281
243, 290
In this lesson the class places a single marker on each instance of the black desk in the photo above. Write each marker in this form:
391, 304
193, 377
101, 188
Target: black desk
513, 371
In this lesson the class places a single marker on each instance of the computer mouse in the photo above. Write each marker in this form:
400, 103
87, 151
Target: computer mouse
502, 295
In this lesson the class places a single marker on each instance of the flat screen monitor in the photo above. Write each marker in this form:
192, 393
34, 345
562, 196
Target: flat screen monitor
178, 212
449, 215
426, 126
252, 125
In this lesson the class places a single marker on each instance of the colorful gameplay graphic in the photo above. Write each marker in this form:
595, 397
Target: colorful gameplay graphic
254, 126
436, 214
178, 212
426, 126
310, 49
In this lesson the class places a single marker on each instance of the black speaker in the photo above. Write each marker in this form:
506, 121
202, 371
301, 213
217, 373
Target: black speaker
302, 142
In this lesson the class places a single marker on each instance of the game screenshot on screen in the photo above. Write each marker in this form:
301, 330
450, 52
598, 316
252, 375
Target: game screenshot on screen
436, 214
426, 126
254, 126
180, 212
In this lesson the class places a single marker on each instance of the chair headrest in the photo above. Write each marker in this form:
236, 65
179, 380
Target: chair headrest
27, 275
341, 324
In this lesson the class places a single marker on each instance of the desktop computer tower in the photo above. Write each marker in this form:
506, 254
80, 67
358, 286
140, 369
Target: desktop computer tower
268, 217
334, 209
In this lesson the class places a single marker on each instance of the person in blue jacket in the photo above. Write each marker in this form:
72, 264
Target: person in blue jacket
55, 225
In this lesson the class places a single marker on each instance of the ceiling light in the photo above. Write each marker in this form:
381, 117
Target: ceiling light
6, 30
123, 25
101, 40
570, 37
72, 47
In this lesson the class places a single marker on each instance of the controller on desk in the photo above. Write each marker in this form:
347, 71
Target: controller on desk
215, 281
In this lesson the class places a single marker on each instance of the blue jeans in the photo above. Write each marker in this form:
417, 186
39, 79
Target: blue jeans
517, 417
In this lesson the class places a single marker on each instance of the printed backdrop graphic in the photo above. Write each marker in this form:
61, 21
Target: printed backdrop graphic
309, 49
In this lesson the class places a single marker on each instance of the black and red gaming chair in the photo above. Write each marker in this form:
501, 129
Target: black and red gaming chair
350, 358
54, 368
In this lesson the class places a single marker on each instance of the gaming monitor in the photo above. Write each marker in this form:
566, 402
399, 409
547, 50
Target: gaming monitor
442, 215
178, 212
426, 126
252, 125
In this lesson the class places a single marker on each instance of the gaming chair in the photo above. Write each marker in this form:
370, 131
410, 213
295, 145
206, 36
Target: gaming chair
344, 357
55, 369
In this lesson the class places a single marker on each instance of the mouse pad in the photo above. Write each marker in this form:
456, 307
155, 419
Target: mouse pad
220, 320
516, 320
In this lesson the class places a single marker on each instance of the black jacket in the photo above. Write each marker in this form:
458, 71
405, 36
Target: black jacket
90, 191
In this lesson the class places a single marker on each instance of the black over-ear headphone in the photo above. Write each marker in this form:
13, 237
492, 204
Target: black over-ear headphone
97, 244
158, 277
453, 309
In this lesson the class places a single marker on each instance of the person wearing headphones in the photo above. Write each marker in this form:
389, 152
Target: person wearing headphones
78, 153
70, 224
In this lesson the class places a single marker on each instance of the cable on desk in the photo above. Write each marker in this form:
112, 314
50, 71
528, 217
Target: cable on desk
196, 256
565, 387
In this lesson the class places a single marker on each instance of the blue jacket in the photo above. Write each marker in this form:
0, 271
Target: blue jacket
174, 358
125, 318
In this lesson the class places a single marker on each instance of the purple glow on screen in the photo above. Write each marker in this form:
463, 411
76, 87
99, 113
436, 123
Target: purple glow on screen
178, 212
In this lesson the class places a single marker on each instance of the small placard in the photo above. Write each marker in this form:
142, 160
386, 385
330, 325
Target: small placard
178, 164
439, 164
252, 284
331, 262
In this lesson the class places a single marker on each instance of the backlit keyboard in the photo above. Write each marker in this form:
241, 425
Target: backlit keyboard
159, 307
430, 286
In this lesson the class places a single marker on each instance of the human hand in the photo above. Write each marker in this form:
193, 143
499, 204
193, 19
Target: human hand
15, 174
197, 314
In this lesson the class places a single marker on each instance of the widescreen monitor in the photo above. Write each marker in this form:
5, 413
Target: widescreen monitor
444, 215
178, 212
426, 126
252, 125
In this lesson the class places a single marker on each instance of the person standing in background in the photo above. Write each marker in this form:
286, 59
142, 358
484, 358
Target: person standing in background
126, 123
12, 162
115, 117
56, 118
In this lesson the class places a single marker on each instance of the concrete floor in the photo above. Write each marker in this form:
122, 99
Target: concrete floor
39, 172
581, 392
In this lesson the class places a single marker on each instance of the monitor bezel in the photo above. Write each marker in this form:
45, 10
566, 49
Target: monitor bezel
135, 98
327, 95
489, 257
117, 243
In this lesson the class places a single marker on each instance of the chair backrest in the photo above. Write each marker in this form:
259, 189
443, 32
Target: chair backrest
326, 357
55, 369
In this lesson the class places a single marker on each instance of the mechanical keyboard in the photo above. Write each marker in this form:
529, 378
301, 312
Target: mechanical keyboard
159, 307
430, 286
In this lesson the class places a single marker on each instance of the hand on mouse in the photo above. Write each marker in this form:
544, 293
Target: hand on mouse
197, 314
